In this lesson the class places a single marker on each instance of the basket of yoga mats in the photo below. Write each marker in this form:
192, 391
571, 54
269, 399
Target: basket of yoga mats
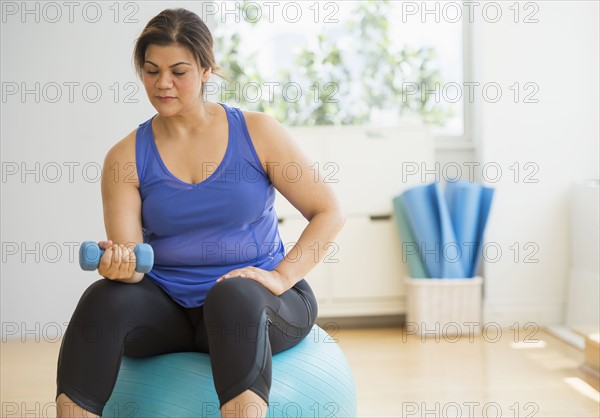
442, 236
444, 307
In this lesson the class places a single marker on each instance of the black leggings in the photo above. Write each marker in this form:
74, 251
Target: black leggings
240, 325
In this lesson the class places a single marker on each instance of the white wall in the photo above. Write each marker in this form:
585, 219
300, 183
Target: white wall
39, 289
559, 134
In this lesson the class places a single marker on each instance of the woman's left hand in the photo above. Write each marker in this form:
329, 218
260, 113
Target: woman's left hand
272, 280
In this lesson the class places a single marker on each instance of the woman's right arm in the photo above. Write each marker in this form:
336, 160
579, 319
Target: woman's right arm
122, 206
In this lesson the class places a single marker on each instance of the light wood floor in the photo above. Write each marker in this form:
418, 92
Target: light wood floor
396, 375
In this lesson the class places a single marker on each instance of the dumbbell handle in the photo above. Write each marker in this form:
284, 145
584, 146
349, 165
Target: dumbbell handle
90, 254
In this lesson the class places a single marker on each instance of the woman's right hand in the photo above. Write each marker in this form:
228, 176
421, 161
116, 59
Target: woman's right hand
118, 261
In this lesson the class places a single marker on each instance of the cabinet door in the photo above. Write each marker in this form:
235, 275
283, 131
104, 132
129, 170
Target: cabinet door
369, 261
368, 171
318, 278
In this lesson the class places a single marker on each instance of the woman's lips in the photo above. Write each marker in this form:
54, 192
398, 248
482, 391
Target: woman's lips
165, 99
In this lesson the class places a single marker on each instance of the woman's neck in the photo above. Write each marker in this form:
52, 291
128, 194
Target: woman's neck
185, 125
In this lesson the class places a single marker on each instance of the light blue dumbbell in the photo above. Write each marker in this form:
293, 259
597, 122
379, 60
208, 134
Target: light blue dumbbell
90, 254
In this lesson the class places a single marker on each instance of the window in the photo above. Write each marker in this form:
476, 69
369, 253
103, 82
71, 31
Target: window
344, 62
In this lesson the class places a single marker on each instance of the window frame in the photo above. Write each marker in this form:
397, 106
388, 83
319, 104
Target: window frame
465, 141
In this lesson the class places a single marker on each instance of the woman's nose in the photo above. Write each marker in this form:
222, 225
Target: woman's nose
164, 81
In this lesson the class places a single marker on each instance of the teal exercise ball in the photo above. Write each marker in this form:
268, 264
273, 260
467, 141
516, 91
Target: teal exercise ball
311, 379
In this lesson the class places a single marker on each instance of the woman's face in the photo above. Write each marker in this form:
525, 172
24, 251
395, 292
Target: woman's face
172, 79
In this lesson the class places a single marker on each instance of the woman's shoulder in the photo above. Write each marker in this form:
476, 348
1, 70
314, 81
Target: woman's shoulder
124, 149
261, 124
252, 118
257, 117
120, 161
271, 139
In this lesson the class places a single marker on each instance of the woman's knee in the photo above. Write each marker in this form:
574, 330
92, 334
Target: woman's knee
106, 298
235, 288
242, 297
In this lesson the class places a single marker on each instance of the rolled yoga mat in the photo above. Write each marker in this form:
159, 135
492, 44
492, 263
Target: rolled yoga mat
410, 248
427, 213
469, 206
485, 202
464, 206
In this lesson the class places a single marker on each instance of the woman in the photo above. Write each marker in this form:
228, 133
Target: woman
202, 195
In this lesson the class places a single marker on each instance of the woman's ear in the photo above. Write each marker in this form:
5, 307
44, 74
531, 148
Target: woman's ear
206, 73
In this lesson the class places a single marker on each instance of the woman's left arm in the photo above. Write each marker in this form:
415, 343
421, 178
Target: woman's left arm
307, 192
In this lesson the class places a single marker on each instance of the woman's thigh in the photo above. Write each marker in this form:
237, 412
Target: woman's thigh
112, 319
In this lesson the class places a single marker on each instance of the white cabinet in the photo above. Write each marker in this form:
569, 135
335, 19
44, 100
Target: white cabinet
583, 306
362, 272
368, 262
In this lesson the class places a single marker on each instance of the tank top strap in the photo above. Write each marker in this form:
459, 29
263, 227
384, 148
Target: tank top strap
143, 150
239, 133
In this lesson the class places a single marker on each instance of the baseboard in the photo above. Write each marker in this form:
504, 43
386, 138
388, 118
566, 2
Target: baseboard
586, 368
587, 343
567, 335
380, 321
508, 313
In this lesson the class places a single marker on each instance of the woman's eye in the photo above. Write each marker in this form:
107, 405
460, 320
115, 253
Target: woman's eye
152, 72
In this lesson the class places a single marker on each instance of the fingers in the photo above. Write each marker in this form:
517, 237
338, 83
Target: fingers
105, 262
105, 244
252, 273
116, 258
117, 262
261, 276
123, 261
247, 272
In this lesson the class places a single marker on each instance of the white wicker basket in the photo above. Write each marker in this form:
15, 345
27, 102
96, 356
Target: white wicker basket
443, 307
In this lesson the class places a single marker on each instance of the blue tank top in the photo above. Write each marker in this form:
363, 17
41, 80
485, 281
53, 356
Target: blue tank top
201, 231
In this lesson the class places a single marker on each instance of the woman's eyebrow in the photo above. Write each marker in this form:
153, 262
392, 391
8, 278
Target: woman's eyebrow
171, 66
